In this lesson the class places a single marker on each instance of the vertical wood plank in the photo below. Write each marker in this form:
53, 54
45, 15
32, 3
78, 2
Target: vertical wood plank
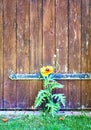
9, 52
86, 53
89, 55
33, 44
62, 42
1, 53
48, 32
89, 46
36, 47
39, 53
74, 51
23, 51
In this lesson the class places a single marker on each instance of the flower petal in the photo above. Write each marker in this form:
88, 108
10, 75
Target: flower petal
46, 70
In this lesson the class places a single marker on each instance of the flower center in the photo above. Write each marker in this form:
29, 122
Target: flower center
47, 69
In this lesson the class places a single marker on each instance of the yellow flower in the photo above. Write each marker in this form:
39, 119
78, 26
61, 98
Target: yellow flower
46, 70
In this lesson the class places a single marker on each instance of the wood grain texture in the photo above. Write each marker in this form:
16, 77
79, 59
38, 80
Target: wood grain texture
86, 53
89, 46
34, 33
1, 54
40, 42
74, 51
36, 47
23, 51
62, 42
89, 55
9, 43
48, 32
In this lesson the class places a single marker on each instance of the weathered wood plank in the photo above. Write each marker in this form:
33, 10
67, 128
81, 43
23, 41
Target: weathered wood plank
48, 32
23, 39
36, 47
62, 35
1, 53
89, 53
9, 42
89, 46
39, 53
86, 52
74, 51
33, 43
62, 42
39, 47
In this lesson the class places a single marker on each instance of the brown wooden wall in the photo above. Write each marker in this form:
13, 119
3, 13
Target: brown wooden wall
44, 32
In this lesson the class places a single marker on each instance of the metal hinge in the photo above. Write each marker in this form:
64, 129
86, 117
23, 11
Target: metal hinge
56, 76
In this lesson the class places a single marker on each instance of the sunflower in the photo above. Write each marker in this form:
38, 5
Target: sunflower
46, 70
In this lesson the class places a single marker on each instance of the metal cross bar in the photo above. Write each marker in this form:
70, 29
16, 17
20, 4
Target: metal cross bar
56, 76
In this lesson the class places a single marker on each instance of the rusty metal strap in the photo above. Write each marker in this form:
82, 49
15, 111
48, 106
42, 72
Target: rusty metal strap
56, 76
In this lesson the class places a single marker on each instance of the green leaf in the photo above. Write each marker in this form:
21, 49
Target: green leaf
52, 84
41, 97
57, 85
52, 107
60, 98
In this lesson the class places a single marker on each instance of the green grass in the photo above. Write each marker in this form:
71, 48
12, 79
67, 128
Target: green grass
46, 122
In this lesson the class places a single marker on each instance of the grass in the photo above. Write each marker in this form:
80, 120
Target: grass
46, 122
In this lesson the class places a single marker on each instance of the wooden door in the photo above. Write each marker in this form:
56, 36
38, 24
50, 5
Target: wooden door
34, 33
